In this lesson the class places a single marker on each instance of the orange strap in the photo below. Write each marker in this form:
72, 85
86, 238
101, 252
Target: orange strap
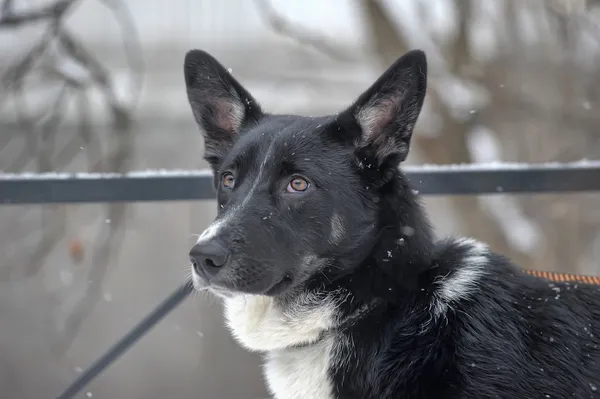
553, 276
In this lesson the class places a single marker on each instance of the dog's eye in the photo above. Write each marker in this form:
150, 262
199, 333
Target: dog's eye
228, 180
297, 185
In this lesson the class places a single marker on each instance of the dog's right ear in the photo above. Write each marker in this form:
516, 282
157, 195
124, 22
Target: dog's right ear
221, 106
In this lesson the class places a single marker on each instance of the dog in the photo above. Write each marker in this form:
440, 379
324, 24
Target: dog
327, 264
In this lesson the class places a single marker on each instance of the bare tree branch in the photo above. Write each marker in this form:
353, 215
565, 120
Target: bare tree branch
74, 51
310, 39
131, 44
108, 246
384, 36
55, 11
59, 47
6, 7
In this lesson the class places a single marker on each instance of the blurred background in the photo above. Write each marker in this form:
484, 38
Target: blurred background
97, 85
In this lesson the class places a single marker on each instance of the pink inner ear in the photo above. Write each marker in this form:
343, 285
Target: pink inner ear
379, 130
229, 116
386, 111
374, 117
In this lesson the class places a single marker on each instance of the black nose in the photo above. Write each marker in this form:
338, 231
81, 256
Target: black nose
208, 257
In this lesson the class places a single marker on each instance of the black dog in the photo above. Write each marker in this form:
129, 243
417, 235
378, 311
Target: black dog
327, 263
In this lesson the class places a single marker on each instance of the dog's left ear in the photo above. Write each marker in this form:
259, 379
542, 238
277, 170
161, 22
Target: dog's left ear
381, 121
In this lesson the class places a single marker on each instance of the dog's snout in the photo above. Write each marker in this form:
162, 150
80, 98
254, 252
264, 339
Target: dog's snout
209, 257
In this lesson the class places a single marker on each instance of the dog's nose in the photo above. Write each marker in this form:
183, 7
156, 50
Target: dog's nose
209, 257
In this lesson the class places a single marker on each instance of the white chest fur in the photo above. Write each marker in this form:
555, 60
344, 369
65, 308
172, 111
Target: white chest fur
260, 324
300, 373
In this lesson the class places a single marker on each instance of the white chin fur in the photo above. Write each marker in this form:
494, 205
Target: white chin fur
198, 283
259, 324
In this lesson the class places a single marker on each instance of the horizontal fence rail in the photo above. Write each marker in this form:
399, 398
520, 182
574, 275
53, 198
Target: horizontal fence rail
179, 185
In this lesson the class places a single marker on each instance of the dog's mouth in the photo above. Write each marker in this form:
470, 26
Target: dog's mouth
221, 292
228, 291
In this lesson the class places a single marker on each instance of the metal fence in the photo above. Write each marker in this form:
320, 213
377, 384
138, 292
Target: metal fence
144, 186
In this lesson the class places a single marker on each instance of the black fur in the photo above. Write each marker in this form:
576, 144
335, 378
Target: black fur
508, 335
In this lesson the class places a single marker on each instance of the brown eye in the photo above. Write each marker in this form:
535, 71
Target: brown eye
228, 180
297, 185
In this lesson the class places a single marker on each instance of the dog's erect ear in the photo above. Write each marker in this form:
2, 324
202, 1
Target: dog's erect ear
381, 121
221, 106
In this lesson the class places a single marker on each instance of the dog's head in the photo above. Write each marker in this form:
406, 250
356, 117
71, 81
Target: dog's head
296, 195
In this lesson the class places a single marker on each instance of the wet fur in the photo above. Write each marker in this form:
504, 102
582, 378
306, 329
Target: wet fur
372, 305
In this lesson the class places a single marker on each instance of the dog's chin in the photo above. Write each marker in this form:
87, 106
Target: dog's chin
222, 292
203, 286
266, 287
198, 282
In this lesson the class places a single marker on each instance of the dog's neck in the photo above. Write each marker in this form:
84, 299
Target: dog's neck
394, 262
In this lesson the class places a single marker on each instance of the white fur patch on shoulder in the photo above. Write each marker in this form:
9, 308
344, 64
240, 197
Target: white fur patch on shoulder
259, 323
464, 281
